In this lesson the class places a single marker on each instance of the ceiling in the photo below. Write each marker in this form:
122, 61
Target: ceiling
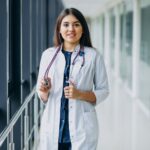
89, 8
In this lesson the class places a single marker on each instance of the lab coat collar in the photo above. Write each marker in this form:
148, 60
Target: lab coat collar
76, 49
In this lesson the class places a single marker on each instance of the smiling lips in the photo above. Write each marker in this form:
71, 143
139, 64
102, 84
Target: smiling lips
71, 35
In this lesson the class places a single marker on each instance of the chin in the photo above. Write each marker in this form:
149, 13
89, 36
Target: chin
73, 41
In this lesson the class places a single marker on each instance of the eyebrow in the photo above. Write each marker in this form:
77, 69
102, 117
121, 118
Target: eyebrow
73, 22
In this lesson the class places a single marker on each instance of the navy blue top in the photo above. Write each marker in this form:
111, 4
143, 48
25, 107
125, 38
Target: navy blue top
64, 134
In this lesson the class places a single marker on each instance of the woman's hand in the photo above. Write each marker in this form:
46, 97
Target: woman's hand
44, 88
71, 92
45, 85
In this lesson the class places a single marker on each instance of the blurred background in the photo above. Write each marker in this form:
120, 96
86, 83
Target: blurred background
119, 30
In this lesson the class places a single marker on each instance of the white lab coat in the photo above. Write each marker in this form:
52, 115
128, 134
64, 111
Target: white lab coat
83, 123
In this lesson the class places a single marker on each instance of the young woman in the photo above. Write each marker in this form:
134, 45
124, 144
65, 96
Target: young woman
72, 81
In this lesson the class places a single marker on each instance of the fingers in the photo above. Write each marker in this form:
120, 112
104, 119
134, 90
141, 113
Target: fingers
45, 85
44, 89
69, 91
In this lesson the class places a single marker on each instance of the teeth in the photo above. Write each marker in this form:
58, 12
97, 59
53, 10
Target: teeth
71, 35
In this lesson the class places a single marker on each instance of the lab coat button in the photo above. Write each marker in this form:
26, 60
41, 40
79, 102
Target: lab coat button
72, 136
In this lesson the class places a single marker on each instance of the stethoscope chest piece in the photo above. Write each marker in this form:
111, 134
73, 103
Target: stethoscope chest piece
46, 82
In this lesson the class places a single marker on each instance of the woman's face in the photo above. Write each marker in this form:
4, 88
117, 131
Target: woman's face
71, 29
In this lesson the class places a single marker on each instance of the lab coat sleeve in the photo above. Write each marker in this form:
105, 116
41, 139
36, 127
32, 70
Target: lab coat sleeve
40, 76
101, 89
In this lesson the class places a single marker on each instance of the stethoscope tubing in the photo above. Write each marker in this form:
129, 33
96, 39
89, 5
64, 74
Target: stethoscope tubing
73, 63
50, 64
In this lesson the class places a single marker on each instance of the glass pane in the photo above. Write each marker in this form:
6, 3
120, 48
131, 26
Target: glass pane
112, 38
101, 40
126, 45
145, 55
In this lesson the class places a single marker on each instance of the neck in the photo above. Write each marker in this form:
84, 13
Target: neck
69, 46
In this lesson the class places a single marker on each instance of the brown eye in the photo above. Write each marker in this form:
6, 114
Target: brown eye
65, 24
77, 24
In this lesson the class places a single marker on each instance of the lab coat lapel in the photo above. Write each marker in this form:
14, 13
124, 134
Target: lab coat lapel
59, 67
76, 68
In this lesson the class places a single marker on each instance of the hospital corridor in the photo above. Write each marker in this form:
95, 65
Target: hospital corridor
119, 31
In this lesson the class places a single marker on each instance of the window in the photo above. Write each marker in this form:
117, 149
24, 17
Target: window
144, 83
112, 37
126, 44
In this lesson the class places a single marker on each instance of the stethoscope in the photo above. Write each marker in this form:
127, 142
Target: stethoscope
80, 53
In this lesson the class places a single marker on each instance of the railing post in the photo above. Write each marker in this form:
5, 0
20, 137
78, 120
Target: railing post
11, 142
7, 133
35, 120
26, 129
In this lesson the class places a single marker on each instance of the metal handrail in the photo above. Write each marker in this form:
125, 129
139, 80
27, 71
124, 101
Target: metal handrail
14, 119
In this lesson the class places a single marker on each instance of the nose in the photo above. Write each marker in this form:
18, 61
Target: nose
71, 27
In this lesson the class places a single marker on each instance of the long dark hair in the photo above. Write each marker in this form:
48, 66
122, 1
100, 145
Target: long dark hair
85, 39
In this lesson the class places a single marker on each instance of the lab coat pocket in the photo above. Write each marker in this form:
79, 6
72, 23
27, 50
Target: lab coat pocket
91, 126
